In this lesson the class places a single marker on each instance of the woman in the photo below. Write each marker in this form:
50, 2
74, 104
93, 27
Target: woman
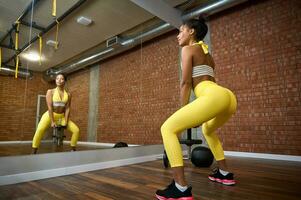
213, 106
58, 103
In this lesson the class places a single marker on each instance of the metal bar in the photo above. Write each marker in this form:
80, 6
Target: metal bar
38, 114
11, 41
34, 25
7, 46
189, 134
10, 70
7, 34
75, 6
212, 8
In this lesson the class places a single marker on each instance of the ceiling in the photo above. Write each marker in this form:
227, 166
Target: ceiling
109, 19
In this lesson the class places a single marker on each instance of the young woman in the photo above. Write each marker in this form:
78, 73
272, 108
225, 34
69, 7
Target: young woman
213, 106
58, 103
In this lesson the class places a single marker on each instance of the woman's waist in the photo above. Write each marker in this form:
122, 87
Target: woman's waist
197, 80
58, 112
203, 86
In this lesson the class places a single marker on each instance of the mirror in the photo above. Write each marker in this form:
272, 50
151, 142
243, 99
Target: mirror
123, 79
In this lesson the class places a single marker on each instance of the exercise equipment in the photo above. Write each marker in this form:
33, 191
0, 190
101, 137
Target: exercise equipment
200, 156
120, 144
58, 135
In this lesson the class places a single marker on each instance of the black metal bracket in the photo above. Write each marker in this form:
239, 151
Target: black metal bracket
34, 25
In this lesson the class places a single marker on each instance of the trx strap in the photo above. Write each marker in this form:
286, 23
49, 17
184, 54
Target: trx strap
54, 8
16, 48
40, 49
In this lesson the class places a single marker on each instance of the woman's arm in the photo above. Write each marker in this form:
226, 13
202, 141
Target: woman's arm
49, 105
67, 110
186, 82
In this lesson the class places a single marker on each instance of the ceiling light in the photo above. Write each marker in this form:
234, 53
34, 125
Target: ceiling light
31, 56
84, 20
51, 43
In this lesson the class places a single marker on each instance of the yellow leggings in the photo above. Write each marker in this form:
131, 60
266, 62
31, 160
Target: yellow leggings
45, 123
213, 106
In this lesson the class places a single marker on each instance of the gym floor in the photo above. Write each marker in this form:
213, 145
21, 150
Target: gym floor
257, 179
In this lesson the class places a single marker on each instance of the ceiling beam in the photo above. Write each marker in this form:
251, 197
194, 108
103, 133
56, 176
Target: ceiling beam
34, 25
162, 10
7, 46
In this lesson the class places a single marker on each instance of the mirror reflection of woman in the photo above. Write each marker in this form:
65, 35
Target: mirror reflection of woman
58, 114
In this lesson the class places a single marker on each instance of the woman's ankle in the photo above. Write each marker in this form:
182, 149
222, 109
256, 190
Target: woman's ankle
34, 151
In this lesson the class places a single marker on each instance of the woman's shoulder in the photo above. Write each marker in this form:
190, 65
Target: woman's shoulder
51, 90
187, 50
192, 49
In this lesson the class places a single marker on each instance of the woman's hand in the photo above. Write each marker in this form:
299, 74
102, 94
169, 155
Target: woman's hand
53, 125
64, 122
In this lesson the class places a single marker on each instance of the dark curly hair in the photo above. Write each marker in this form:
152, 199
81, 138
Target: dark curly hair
199, 25
65, 77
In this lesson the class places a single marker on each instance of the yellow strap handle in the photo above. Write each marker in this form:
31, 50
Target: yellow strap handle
17, 66
56, 34
204, 47
17, 35
16, 48
54, 8
40, 49
0, 58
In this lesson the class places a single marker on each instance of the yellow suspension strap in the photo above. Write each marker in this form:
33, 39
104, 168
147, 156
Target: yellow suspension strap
40, 49
17, 66
17, 48
57, 23
54, 8
17, 35
56, 34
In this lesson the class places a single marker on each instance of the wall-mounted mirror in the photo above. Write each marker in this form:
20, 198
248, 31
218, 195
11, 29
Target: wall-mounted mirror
121, 63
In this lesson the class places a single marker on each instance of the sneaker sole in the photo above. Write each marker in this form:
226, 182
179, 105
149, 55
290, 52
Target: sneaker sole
181, 198
224, 182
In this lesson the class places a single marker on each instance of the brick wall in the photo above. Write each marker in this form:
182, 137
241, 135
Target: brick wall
18, 106
256, 47
138, 91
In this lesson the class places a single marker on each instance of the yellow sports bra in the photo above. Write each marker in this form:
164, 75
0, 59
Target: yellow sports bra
201, 70
56, 99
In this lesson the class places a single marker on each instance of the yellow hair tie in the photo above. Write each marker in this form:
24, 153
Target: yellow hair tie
204, 47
